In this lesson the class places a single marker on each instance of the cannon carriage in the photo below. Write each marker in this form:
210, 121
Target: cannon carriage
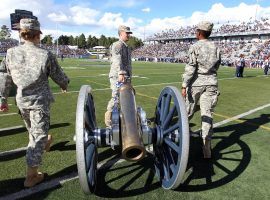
130, 129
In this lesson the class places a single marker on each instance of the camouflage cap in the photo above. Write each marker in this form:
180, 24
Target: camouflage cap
30, 24
205, 26
124, 29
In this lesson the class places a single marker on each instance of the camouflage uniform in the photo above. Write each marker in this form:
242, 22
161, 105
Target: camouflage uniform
29, 68
120, 64
200, 79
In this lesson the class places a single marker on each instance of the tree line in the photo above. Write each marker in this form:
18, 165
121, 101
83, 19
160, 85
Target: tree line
91, 41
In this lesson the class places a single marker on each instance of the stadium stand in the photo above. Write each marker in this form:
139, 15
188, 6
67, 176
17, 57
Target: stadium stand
252, 39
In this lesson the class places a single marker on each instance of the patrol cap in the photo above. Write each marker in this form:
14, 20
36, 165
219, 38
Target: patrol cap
205, 26
30, 24
123, 28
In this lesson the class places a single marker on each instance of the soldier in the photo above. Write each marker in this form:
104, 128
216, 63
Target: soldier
200, 81
121, 70
29, 67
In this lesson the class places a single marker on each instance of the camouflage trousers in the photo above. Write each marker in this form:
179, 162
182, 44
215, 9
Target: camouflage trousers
113, 82
206, 97
37, 123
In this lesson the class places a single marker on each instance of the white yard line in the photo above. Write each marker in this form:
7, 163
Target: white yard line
8, 114
6, 153
240, 116
11, 128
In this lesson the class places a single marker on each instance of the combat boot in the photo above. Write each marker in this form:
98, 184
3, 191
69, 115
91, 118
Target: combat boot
33, 177
108, 118
48, 144
207, 148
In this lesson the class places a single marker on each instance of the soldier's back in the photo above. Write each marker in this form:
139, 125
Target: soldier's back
28, 68
26, 64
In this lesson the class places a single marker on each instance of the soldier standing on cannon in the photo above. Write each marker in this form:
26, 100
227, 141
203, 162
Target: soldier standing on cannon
200, 81
29, 67
121, 70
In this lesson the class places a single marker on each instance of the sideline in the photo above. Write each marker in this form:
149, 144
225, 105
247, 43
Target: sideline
61, 180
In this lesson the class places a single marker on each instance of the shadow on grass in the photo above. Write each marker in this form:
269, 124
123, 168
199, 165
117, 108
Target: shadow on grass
16, 185
63, 146
118, 181
23, 129
12, 156
231, 149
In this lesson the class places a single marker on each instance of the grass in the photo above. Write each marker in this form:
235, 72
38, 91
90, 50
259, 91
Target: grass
239, 169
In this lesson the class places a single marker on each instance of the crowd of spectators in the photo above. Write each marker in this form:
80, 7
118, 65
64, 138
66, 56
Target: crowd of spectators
5, 44
64, 50
219, 29
254, 51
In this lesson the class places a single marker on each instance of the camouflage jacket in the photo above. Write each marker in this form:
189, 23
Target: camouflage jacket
29, 68
120, 59
204, 61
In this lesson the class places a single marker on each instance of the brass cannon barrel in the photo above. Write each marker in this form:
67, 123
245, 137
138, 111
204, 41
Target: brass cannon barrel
132, 145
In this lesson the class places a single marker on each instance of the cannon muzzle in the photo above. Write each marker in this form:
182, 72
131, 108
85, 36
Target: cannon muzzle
132, 145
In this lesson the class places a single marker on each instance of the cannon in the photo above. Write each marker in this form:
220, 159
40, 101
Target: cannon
131, 130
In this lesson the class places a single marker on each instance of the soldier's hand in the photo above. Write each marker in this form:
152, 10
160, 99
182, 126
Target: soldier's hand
3, 107
64, 90
184, 92
121, 78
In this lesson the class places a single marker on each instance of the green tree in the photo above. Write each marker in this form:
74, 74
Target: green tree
134, 42
47, 40
63, 40
71, 40
82, 41
92, 41
4, 32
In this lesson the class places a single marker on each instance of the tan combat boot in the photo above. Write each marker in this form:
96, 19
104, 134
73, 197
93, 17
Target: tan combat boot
48, 144
33, 177
207, 148
108, 117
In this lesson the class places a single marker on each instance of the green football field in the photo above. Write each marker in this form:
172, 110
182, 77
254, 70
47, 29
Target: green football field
239, 169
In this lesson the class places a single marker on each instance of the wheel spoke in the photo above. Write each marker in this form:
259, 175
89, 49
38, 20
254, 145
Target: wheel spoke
173, 167
171, 129
166, 107
166, 172
172, 145
169, 117
162, 109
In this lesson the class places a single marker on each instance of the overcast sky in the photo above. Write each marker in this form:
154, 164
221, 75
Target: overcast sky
145, 17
